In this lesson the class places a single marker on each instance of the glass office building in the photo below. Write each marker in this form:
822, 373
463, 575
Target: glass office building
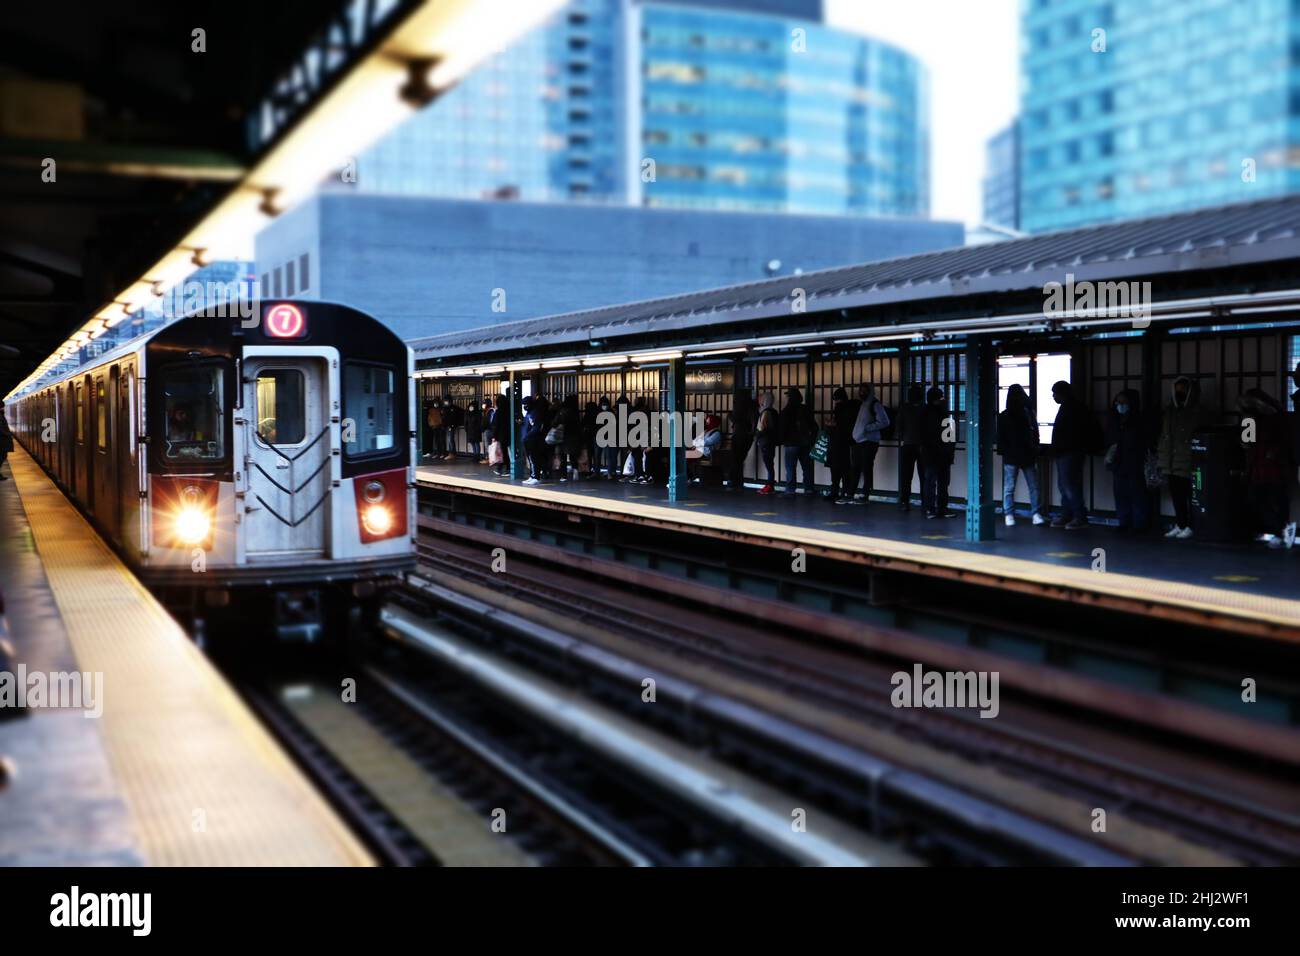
719, 104
1001, 187
1178, 104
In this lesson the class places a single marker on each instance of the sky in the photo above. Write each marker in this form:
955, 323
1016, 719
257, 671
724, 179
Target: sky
971, 49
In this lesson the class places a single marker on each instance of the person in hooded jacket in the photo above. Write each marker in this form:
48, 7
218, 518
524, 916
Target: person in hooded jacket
1269, 466
474, 430
843, 414
1018, 445
533, 437
590, 423
871, 421
1129, 439
798, 428
937, 455
910, 432
1074, 434
1182, 417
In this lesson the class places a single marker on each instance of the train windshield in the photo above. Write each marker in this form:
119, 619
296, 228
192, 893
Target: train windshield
368, 409
195, 425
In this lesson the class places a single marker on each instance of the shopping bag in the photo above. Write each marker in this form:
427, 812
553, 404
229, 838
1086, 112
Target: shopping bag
494, 453
821, 449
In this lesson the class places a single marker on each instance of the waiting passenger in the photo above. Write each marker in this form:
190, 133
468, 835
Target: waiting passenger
474, 431
622, 410
937, 455
641, 409
742, 438
910, 432
1269, 465
844, 414
872, 420
1019, 447
435, 444
570, 448
534, 440
453, 417
485, 426
798, 430
767, 433
503, 430
1182, 418
607, 457
1074, 437
1129, 439
703, 447
588, 462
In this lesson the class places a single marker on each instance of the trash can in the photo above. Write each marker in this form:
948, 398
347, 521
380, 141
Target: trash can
1218, 483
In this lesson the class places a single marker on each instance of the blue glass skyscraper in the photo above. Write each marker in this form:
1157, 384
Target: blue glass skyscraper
1140, 107
716, 104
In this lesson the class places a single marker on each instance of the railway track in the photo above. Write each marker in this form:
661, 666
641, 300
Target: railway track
1154, 786
419, 789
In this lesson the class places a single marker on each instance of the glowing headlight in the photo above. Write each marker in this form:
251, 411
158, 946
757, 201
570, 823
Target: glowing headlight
192, 524
377, 519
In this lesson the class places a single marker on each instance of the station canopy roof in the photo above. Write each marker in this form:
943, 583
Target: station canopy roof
1229, 250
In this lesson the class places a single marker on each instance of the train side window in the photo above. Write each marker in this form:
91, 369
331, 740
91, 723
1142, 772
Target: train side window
281, 406
368, 397
81, 413
192, 413
101, 416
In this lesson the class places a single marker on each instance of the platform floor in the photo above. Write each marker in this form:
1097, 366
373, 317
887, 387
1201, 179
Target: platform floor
175, 771
1253, 584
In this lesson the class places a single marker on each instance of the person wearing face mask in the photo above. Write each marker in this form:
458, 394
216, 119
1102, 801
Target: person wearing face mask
1182, 417
1126, 458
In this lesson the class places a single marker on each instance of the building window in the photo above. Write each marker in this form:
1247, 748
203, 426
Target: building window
288, 278
266, 285
304, 273
275, 289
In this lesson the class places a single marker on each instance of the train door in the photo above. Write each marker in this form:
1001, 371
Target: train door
287, 457
128, 495
101, 454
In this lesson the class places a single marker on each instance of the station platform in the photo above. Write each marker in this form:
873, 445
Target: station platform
161, 764
1250, 589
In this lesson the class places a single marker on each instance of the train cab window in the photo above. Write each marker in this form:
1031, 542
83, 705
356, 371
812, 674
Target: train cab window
368, 398
195, 422
101, 416
281, 406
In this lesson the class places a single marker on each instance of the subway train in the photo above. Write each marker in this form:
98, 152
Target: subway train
258, 468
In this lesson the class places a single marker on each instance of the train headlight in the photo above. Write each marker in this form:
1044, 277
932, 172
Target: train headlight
192, 524
377, 520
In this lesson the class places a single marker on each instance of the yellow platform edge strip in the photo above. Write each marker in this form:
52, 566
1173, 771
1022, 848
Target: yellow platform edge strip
1271, 610
204, 782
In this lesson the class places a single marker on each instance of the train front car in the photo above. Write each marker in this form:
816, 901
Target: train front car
279, 466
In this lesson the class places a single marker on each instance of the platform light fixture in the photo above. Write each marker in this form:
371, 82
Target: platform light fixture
739, 350
647, 357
